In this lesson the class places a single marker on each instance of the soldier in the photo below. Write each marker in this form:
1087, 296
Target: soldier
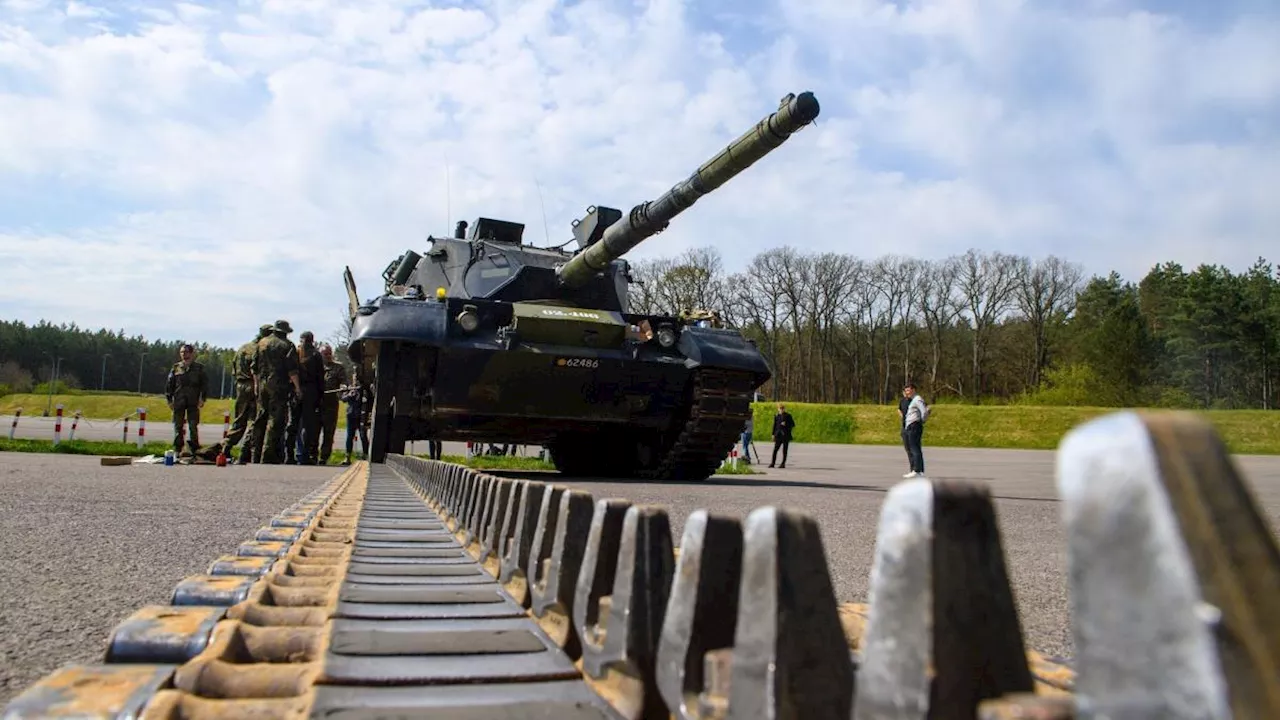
185, 391
258, 434
275, 367
335, 376
357, 398
311, 384
246, 399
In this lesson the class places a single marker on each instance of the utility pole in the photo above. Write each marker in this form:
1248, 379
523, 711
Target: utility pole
53, 380
140, 361
102, 383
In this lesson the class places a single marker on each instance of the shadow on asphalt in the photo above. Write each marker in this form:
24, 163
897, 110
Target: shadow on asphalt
729, 481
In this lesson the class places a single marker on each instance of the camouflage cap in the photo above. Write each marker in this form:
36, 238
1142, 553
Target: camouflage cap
265, 328
284, 326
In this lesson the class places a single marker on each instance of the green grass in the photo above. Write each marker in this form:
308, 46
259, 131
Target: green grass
952, 425
107, 406
84, 447
727, 468
498, 462
992, 426
113, 406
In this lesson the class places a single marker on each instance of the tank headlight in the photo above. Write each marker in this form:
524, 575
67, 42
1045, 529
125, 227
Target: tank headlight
469, 319
666, 336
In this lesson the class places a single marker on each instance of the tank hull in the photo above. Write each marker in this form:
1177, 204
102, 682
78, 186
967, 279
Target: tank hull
621, 409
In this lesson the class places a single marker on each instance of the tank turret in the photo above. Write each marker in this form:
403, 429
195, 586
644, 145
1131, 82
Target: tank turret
649, 218
485, 338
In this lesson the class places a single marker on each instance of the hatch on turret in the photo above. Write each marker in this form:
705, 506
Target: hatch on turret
591, 228
502, 231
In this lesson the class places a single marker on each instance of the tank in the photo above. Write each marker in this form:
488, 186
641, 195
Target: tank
483, 337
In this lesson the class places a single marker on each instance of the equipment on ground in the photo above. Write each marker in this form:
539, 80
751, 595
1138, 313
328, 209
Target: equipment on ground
485, 338
417, 588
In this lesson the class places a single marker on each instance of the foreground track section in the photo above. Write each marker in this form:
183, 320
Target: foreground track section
424, 589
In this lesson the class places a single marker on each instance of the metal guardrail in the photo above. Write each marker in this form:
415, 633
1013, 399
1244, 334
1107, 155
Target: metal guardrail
425, 589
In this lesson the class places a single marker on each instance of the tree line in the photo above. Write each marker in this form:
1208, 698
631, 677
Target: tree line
981, 327
74, 358
988, 327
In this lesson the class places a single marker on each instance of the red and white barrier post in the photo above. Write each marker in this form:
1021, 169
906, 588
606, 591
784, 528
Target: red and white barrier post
14, 425
470, 450
226, 423
74, 422
734, 454
124, 437
57, 426
142, 426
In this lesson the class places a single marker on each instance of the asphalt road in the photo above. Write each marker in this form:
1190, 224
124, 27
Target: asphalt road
35, 427
86, 545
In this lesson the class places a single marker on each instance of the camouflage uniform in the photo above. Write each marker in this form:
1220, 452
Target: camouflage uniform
335, 376
246, 398
185, 389
311, 380
275, 366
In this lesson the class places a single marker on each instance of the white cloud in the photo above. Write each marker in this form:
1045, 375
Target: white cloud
198, 169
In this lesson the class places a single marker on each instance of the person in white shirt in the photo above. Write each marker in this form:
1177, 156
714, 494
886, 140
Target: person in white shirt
913, 430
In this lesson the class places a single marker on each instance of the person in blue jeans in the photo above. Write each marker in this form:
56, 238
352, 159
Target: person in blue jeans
913, 430
747, 431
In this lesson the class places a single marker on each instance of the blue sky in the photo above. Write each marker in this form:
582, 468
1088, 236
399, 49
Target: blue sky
189, 171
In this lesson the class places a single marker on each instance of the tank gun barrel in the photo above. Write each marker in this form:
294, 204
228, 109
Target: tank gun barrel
649, 218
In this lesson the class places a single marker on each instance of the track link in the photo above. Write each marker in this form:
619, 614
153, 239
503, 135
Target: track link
720, 408
418, 588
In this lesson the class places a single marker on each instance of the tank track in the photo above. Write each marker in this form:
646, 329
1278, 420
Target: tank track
719, 409
418, 588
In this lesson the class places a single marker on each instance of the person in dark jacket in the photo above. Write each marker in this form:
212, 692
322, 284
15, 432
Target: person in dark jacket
783, 424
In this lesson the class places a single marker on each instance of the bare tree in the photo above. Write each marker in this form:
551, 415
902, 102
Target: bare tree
865, 318
936, 299
758, 293
693, 280
894, 278
834, 278
340, 337
795, 270
1046, 293
987, 284
646, 292
16, 377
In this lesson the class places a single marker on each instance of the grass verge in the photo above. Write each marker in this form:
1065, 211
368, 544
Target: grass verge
499, 462
84, 447
992, 426
952, 425
741, 468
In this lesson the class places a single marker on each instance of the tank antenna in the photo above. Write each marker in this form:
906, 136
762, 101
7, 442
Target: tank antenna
448, 197
546, 234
